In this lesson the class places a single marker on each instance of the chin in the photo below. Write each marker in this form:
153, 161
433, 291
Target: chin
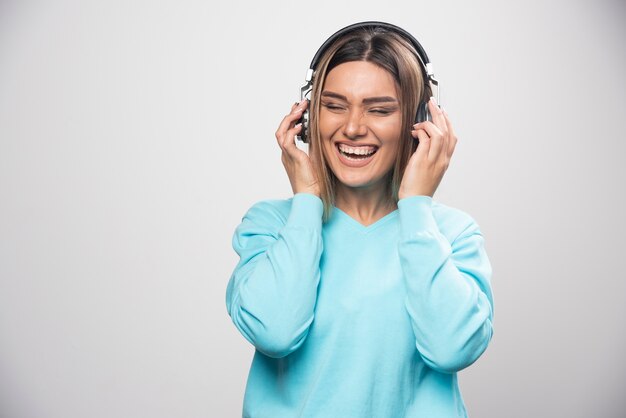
357, 180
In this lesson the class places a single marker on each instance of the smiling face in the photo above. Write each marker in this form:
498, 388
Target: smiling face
360, 113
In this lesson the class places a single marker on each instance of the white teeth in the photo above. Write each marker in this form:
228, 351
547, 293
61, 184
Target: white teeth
363, 150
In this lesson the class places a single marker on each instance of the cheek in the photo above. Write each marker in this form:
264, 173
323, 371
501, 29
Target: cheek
391, 151
392, 140
389, 127
390, 133
327, 130
327, 125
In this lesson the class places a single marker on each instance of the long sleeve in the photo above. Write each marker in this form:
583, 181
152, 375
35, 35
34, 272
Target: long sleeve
449, 298
272, 291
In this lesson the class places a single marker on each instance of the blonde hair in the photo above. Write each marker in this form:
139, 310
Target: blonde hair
393, 53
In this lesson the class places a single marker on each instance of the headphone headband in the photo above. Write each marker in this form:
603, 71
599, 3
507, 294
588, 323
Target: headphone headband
421, 53
372, 24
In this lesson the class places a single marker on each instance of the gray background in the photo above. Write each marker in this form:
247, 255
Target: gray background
135, 135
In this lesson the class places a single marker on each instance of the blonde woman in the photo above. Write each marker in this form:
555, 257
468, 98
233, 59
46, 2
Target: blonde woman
362, 295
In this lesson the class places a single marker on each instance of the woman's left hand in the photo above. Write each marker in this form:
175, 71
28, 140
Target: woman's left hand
430, 161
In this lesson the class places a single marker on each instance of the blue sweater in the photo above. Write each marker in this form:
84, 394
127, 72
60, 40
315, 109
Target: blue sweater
359, 321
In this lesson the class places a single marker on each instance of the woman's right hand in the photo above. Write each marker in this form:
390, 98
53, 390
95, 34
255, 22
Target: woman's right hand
297, 163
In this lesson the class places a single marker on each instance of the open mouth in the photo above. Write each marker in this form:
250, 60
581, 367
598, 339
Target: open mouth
360, 153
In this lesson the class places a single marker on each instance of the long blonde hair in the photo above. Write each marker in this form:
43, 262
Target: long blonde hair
393, 53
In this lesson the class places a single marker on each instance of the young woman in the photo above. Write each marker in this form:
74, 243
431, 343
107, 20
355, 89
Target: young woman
362, 295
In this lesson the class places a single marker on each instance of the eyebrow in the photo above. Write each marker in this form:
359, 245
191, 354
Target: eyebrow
381, 99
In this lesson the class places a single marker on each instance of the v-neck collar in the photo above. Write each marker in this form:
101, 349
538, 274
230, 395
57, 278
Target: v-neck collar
365, 228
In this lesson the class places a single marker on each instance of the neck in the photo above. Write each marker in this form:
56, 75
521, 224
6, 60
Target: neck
366, 204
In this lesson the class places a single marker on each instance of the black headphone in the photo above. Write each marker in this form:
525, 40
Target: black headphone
422, 113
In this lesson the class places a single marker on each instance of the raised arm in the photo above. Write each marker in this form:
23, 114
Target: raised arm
449, 297
272, 291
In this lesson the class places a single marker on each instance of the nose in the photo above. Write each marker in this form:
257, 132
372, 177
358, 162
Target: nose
354, 126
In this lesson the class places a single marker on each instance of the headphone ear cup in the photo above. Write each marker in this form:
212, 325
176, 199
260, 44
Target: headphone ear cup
304, 131
305, 125
302, 136
423, 114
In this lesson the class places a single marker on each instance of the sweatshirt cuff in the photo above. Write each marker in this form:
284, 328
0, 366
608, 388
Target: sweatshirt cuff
416, 214
306, 211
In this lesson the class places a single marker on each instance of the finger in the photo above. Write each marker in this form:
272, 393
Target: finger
436, 115
439, 120
424, 143
437, 138
452, 139
290, 141
302, 103
288, 123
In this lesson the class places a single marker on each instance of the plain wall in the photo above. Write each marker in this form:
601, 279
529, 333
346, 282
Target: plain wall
134, 135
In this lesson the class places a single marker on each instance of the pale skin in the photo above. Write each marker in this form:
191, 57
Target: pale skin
347, 116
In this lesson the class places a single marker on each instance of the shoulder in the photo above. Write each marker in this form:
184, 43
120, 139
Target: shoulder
269, 216
269, 212
261, 223
280, 211
454, 222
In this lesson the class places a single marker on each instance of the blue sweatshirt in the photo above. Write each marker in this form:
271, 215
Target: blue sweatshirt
359, 321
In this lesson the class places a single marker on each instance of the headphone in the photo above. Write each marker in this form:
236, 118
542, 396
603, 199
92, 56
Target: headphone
422, 114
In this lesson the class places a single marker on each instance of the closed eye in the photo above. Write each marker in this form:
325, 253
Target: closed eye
384, 111
379, 111
331, 106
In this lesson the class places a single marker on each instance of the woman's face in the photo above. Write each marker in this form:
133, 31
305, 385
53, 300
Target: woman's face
360, 113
